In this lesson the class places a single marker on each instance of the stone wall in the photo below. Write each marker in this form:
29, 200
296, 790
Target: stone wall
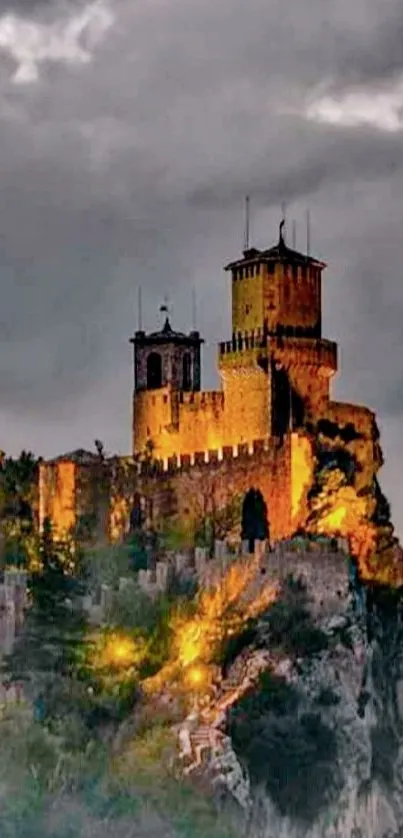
189, 487
205, 487
177, 422
57, 493
324, 572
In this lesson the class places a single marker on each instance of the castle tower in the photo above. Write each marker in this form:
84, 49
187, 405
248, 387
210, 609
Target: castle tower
278, 291
277, 368
166, 364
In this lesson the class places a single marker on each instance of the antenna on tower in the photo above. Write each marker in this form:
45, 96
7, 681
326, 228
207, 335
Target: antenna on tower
308, 233
283, 216
294, 234
194, 325
247, 222
165, 307
140, 309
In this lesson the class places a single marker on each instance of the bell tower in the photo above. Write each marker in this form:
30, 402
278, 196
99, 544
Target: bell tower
166, 363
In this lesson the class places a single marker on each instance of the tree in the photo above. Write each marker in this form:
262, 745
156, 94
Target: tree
47, 654
18, 506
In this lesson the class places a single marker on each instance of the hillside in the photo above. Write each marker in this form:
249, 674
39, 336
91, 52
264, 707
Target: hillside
276, 712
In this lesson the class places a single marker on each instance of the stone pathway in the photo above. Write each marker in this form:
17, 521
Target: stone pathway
203, 745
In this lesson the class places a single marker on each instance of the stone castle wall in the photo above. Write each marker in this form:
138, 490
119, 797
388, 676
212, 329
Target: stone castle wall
177, 421
190, 487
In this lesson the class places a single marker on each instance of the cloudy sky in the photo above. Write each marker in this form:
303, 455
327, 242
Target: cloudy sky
131, 132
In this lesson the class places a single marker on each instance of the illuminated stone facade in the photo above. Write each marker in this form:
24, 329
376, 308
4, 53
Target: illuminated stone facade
275, 380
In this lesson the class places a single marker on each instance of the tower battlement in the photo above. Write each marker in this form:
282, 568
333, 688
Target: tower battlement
214, 455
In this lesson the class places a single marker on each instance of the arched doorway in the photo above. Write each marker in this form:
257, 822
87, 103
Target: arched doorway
154, 371
187, 371
255, 523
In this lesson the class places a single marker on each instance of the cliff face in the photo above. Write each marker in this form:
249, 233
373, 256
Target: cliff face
326, 761
307, 725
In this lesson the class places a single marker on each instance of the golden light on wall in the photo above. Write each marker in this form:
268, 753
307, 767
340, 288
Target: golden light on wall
302, 468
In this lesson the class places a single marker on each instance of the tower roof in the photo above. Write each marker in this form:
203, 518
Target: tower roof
166, 335
277, 253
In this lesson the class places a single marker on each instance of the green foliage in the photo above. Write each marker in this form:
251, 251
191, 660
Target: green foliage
47, 654
294, 756
181, 587
46, 792
271, 695
235, 644
131, 608
137, 553
18, 501
177, 534
327, 698
106, 565
220, 523
288, 624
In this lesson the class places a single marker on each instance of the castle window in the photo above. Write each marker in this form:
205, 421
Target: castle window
165, 399
154, 371
247, 309
187, 371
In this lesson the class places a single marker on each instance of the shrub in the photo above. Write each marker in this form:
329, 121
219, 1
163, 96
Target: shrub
289, 626
294, 757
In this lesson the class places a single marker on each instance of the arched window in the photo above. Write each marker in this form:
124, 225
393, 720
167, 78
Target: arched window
154, 371
187, 371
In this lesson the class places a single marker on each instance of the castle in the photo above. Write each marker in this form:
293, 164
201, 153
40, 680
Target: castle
275, 378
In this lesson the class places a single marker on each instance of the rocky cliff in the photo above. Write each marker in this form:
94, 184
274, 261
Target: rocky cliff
309, 743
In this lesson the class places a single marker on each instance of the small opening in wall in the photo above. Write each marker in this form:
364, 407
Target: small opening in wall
187, 371
154, 371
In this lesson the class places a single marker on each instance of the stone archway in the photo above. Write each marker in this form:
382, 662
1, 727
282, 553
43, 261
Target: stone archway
255, 522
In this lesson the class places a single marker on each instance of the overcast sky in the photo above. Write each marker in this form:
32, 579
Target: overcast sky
130, 134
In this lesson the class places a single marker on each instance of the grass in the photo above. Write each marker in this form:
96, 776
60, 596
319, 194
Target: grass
46, 792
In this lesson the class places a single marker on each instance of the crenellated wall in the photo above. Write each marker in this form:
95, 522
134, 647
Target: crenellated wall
189, 486
180, 423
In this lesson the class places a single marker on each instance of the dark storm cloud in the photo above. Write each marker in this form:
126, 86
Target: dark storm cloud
28, 8
321, 160
132, 169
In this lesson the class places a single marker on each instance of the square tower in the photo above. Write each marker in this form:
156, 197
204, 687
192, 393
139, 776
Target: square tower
166, 364
277, 291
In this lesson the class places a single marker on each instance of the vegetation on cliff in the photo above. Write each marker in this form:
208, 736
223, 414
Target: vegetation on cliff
346, 499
